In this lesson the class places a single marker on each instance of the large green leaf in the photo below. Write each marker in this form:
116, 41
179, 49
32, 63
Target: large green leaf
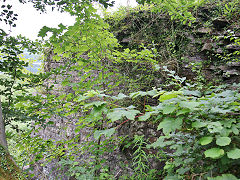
214, 153
189, 105
227, 93
158, 143
214, 127
115, 115
198, 124
234, 154
192, 93
107, 133
183, 111
223, 141
170, 124
219, 110
169, 95
161, 143
153, 92
120, 96
168, 109
205, 140
147, 115
119, 113
131, 114
235, 129
136, 94
95, 103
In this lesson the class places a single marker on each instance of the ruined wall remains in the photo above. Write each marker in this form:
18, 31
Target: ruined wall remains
198, 44
63, 129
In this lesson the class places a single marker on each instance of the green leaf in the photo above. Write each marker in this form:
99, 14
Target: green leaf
192, 93
147, 115
80, 98
136, 94
214, 127
214, 153
170, 124
205, 140
65, 82
152, 92
182, 111
107, 133
80, 63
75, 163
189, 105
226, 93
198, 124
223, 177
234, 154
169, 95
183, 170
50, 122
159, 143
120, 96
115, 115
168, 109
235, 130
175, 177
43, 31
223, 141
119, 113
96, 103
83, 48
131, 114
218, 110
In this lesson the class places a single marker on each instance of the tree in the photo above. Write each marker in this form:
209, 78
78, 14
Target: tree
11, 65
3, 140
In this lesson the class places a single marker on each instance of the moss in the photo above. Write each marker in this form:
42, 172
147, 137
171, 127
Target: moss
8, 168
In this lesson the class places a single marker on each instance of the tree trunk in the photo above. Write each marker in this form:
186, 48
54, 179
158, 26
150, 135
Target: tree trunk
3, 140
8, 168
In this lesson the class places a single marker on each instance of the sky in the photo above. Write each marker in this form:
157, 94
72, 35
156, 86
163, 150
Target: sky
31, 21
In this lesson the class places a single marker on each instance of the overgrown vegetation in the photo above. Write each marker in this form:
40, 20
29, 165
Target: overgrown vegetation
119, 75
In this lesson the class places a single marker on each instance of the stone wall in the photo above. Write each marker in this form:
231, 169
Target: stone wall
209, 44
63, 128
199, 44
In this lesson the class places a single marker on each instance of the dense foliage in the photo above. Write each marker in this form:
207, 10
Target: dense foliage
105, 86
